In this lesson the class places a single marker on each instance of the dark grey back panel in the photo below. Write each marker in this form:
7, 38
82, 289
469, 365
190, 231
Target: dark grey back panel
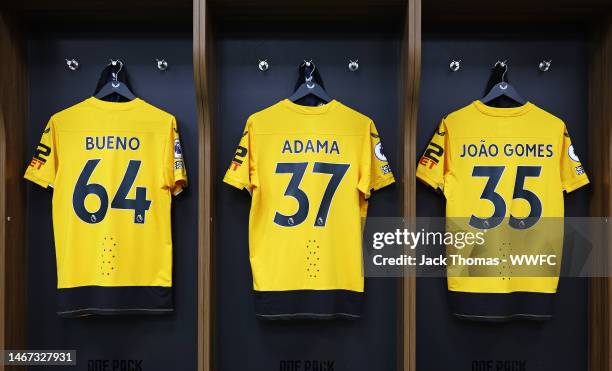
242, 341
562, 91
161, 342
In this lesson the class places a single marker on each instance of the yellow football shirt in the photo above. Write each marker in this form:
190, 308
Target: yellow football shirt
113, 168
503, 171
310, 171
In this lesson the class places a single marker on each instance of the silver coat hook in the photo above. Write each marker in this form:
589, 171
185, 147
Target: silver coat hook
72, 64
455, 65
263, 65
544, 66
503, 63
115, 61
353, 65
162, 65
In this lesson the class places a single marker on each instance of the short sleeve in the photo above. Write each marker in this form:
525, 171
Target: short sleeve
174, 163
573, 175
240, 172
432, 165
375, 172
43, 166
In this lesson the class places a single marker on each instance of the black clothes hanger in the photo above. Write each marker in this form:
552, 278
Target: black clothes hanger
113, 85
309, 90
501, 93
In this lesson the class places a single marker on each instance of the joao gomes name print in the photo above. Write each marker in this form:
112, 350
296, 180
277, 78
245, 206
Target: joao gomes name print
484, 149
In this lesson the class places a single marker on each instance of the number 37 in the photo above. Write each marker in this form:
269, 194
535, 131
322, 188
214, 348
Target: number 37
297, 169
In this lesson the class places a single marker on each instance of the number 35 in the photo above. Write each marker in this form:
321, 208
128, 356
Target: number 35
494, 173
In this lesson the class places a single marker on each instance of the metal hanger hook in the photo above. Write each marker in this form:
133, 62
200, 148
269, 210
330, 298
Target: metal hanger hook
505, 65
314, 67
307, 64
114, 63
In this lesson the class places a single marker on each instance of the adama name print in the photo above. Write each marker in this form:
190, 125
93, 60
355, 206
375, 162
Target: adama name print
311, 146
